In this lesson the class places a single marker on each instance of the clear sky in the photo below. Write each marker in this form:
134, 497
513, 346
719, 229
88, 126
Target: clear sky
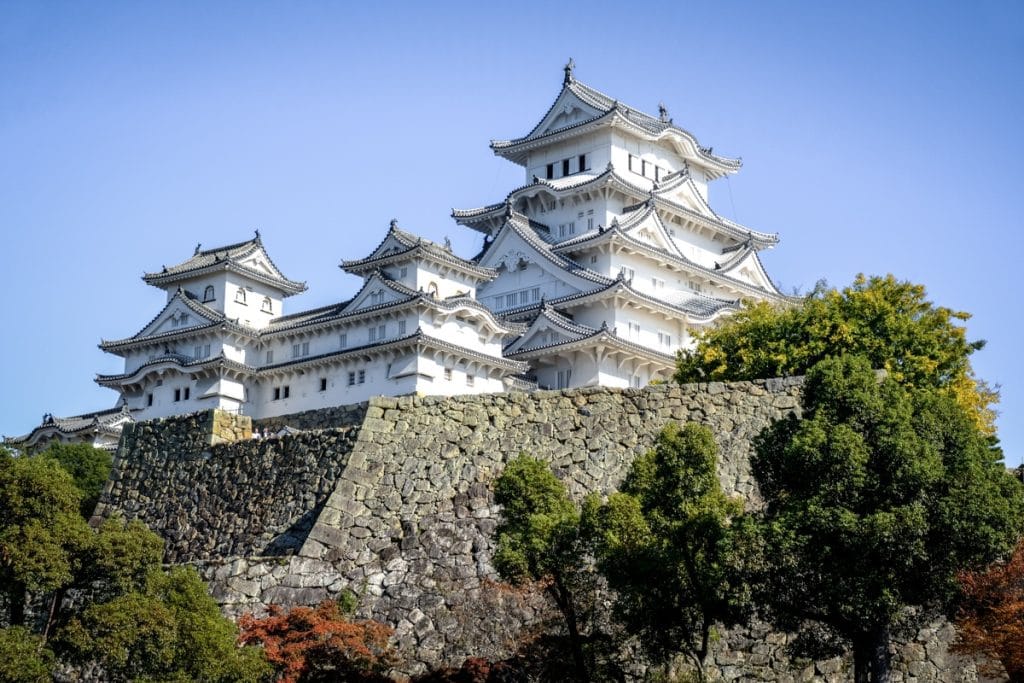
876, 137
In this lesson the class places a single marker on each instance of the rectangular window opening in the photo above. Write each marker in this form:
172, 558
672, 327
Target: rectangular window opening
551, 171
565, 167
323, 384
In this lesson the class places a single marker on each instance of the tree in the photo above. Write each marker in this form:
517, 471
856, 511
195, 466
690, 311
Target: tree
875, 500
538, 540
23, 657
671, 544
42, 533
167, 629
889, 322
321, 643
990, 620
138, 621
89, 468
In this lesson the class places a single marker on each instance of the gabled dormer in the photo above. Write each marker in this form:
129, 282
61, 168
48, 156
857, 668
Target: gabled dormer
182, 315
378, 291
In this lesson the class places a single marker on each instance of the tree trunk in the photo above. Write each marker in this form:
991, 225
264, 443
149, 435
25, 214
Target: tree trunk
18, 595
880, 669
563, 598
861, 659
871, 656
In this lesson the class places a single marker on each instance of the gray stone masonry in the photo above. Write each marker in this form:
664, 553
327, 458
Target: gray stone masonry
397, 500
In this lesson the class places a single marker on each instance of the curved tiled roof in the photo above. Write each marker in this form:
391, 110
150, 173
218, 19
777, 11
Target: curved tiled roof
600, 336
225, 258
415, 246
520, 225
215, 319
99, 421
617, 232
176, 360
610, 109
730, 228
416, 338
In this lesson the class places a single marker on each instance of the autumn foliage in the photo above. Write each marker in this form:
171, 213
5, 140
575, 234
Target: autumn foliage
991, 618
320, 643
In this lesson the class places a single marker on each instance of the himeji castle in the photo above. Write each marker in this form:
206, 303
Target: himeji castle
595, 272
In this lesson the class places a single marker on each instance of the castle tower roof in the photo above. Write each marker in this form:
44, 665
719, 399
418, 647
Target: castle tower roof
248, 258
580, 109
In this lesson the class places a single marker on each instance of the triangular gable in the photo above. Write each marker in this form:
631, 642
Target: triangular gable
568, 110
390, 245
650, 230
749, 269
377, 291
512, 251
176, 316
686, 194
259, 262
548, 328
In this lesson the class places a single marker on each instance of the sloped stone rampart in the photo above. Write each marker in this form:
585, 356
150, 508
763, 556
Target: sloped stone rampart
251, 497
408, 520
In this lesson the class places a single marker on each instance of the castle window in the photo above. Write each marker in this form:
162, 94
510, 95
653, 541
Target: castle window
377, 332
447, 374
277, 393
149, 399
630, 166
665, 339
551, 171
208, 293
634, 329
268, 305
657, 283
201, 351
563, 378
187, 393
627, 273
177, 395
300, 350
270, 356
643, 168
535, 294
636, 381
565, 167
593, 259
351, 379
583, 162
286, 391
362, 376
470, 380
404, 272
510, 300
524, 298
432, 289
240, 296
323, 384
344, 340
401, 327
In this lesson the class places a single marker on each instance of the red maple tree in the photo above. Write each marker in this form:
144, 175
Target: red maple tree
309, 643
991, 616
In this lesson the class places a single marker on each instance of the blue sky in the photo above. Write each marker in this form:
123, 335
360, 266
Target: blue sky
876, 137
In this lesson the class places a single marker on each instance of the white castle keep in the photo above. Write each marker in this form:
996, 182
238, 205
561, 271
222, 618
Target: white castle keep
595, 272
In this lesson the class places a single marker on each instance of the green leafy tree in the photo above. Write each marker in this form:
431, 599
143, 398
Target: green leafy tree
538, 540
89, 468
672, 545
23, 657
169, 629
875, 499
889, 322
42, 534
138, 621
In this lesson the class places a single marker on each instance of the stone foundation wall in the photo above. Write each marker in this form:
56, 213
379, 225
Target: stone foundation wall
251, 497
406, 517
